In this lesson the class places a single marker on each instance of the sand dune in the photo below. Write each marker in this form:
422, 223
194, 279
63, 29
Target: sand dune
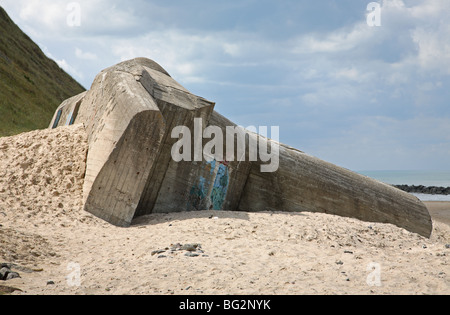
44, 228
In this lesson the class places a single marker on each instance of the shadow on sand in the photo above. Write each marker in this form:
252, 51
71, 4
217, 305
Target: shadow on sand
161, 218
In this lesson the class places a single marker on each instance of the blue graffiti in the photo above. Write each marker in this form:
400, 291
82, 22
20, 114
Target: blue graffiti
197, 194
220, 188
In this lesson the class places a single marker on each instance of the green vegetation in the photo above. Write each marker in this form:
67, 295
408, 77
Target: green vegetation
32, 86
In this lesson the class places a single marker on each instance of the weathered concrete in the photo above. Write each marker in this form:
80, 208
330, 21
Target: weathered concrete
67, 112
305, 183
129, 114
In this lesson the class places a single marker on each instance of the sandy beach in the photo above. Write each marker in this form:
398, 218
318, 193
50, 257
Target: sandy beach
59, 249
439, 210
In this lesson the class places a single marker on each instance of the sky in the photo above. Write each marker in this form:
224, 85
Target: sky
359, 95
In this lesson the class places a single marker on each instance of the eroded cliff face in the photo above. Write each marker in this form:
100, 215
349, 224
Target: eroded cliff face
130, 114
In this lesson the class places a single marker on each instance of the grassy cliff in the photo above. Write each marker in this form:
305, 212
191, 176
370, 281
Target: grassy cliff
31, 85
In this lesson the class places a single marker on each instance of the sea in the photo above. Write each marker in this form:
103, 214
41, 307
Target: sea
425, 178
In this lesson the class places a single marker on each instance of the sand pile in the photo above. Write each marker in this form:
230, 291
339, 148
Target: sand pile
41, 179
44, 228
41, 176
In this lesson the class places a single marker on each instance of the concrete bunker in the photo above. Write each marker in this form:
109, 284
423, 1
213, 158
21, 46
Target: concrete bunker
129, 114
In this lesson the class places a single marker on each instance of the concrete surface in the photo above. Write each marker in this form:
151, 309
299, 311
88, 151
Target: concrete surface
129, 114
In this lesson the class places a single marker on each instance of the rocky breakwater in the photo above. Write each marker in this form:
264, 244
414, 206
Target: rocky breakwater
431, 190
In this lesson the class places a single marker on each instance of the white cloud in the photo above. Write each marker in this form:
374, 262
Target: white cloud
231, 49
63, 64
193, 57
69, 69
98, 17
348, 74
337, 41
434, 49
175, 51
427, 26
393, 4
85, 55
430, 9
47, 13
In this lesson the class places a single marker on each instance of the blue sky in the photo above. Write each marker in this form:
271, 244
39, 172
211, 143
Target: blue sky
365, 98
